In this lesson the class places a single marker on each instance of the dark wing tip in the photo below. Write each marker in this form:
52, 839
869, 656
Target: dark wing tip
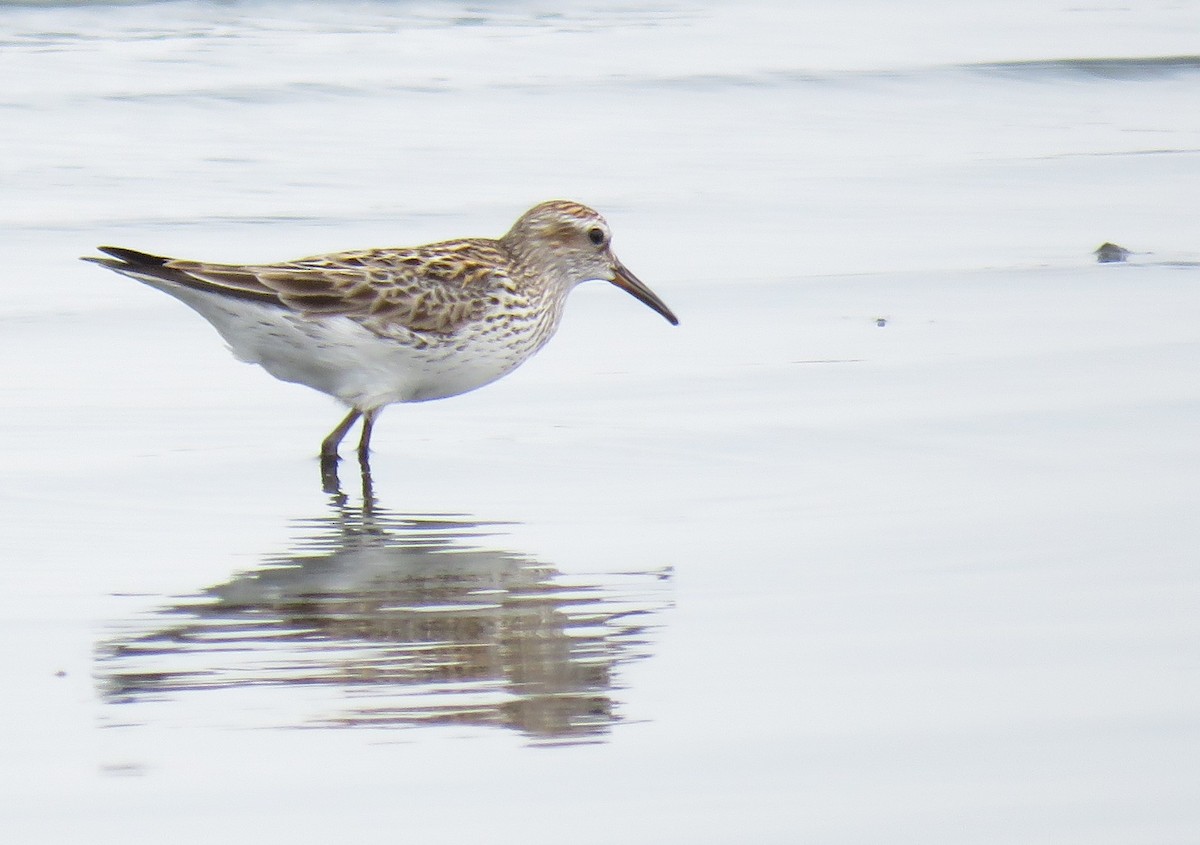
133, 257
226, 280
126, 259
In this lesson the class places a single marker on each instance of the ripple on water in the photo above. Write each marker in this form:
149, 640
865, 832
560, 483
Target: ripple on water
381, 620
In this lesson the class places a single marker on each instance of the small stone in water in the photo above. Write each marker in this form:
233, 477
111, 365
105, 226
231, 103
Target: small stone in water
1108, 253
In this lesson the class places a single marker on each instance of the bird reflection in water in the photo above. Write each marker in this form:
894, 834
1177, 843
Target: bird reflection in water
397, 621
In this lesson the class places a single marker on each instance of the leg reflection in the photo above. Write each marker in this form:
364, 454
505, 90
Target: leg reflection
331, 481
372, 618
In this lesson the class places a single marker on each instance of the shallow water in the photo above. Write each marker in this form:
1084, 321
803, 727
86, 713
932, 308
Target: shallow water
390, 621
892, 539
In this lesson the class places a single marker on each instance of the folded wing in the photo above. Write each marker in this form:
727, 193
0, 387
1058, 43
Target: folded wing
435, 289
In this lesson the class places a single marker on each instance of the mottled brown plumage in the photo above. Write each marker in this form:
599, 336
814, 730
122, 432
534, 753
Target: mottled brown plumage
377, 326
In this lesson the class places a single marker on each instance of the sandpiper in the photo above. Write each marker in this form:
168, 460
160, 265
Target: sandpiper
376, 326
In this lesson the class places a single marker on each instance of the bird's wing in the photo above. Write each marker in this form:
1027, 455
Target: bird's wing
435, 288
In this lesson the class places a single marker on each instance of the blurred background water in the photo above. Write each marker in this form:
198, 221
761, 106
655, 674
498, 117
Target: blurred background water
892, 539
851, 137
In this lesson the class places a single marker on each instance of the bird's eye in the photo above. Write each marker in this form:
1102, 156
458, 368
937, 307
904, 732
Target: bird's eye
596, 236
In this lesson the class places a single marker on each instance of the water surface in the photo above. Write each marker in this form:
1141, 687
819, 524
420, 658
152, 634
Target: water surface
892, 539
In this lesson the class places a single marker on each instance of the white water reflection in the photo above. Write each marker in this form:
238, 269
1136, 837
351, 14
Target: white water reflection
394, 620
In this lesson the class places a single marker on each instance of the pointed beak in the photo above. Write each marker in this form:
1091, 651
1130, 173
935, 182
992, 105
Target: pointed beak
631, 284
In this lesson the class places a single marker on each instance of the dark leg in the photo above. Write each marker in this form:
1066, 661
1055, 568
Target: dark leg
364, 459
329, 445
364, 442
329, 453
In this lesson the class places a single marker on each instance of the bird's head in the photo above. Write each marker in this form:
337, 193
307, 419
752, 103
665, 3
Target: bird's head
573, 242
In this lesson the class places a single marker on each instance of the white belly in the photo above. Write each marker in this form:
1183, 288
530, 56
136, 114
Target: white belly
337, 356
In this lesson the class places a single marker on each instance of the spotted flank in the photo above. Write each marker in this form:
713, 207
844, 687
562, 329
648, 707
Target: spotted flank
374, 327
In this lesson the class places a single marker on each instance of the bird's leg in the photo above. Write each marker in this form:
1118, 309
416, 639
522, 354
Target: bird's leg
329, 453
364, 442
329, 445
364, 459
